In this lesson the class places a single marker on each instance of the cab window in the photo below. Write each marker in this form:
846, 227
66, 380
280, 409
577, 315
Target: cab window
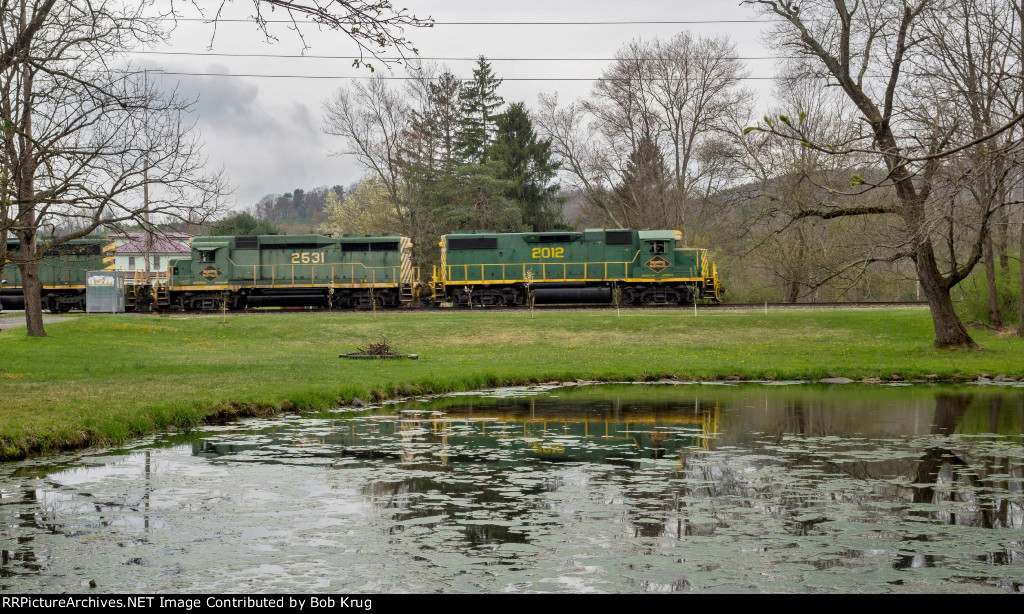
657, 247
207, 255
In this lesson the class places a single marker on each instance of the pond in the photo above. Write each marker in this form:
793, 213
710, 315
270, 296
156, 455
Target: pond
614, 488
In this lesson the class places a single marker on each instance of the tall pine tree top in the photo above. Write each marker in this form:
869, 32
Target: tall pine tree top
435, 128
480, 102
526, 162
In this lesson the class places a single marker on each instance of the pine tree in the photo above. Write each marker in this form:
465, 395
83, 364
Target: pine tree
526, 163
645, 194
447, 117
472, 197
479, 104
430, 145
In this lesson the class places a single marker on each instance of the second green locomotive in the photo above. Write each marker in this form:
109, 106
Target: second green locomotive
644, 266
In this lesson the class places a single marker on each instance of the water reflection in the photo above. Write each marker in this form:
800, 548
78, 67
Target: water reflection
614, 488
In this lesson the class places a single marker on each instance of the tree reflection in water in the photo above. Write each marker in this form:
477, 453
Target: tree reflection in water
660, 489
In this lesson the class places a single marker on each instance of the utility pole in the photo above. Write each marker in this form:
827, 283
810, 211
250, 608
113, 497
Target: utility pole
145, 192
145, 220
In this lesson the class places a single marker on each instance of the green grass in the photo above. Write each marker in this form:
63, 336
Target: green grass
105, 379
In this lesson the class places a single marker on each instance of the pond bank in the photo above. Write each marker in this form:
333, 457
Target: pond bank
101, 380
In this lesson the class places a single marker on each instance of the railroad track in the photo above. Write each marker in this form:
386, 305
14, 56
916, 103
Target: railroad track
683, 308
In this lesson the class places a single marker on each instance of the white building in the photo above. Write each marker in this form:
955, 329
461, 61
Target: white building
166, 246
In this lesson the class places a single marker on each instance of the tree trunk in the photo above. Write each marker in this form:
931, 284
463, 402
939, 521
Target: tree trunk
798, 274
1002, 233
794, 291
33, 290
949, 330
3, 247
1020, 312
26, 219
995, 318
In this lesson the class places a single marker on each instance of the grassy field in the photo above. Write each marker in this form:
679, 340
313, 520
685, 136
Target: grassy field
104, 379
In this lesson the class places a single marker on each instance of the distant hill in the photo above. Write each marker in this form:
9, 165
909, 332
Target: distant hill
299, 209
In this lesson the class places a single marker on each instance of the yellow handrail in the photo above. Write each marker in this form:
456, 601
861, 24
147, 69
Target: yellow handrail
366, 271
447, 270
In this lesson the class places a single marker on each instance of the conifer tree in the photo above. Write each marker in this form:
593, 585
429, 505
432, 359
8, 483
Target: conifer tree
479, 103
446, 117
645, 194
434, 127
526, 162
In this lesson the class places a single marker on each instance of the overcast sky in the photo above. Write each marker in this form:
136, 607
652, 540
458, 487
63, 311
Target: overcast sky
266, 132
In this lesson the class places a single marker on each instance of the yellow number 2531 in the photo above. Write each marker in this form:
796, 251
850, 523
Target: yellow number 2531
307, 257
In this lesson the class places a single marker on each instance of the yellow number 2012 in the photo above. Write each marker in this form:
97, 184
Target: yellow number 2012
549, 252
307, 257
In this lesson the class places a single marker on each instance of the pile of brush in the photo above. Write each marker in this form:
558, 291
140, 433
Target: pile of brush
374, 348
377, 349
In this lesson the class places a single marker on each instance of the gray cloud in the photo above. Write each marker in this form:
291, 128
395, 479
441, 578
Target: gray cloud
266, 146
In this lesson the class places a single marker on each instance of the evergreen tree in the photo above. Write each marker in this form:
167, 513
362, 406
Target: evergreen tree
433, 130
472, 197
526, 162
645, 194
479, 104
447, 116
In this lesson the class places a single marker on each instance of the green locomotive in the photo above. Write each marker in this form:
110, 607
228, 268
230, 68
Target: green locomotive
291, 270
646, 266
61, 272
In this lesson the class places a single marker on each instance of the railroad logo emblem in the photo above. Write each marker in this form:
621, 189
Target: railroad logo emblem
210, 273
657, 264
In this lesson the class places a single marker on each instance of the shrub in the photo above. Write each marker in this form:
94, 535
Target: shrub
971, 295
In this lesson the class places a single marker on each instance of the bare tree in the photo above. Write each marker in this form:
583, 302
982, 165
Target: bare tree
374, 119
682, 94
83, 139
1015, 29
373, 25
963, 68
806, 255
583, 154
865, 48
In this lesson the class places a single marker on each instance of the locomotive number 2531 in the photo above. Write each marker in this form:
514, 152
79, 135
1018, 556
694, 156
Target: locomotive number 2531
307, 257
548, 252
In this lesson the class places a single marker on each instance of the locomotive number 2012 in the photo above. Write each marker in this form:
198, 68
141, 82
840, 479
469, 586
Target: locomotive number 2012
549, 252
307, 257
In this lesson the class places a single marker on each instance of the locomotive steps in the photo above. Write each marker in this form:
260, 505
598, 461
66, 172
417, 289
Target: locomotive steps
102, 380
